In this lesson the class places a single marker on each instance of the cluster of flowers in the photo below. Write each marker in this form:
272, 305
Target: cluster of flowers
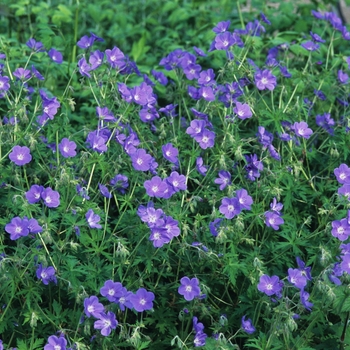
297, 277
231, 207
253, 167
343, 177
50, 107
200, 134
141, 301
273, 217
163, 228
156, 187
18, 227
50, 197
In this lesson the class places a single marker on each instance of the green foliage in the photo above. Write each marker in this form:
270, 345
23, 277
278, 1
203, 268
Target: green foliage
229, 259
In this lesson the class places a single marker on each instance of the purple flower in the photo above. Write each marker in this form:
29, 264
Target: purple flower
120, 183
142, 300
4, 83
170, 153
189, 288
22, 74
115, 58
345, 191
345, 264
304, 296
159, 236
50, 197
177, 182
46, 274
264, 137
33, 225
305, 271
84, 67
247, 325
112, 290
35, 45
96, 59
230, 207
169, 110
20, 155
336, 271
245, 201
56, 56
206, 77
67, 148
342, 77
207, 93
93, 219
141, 160
92, 307
301, 129
202, 169
243, 110
310, 46
17, 228
223, 41
205, 139
199, 339
342, 174
172, 227
160, 77
273, 220
214, 226
104, 191
276, 207
124, 299
341, 229
221, 27
85, 42
105, 114
317, 38
34, 194
285, 72
269, 285
296, 277
223, 180
196, 127
106, 323
56, 343
155, 187
97, 143
37, 74
326, 122
265, 80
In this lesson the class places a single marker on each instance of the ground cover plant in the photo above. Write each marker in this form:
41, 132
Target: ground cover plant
202, 203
